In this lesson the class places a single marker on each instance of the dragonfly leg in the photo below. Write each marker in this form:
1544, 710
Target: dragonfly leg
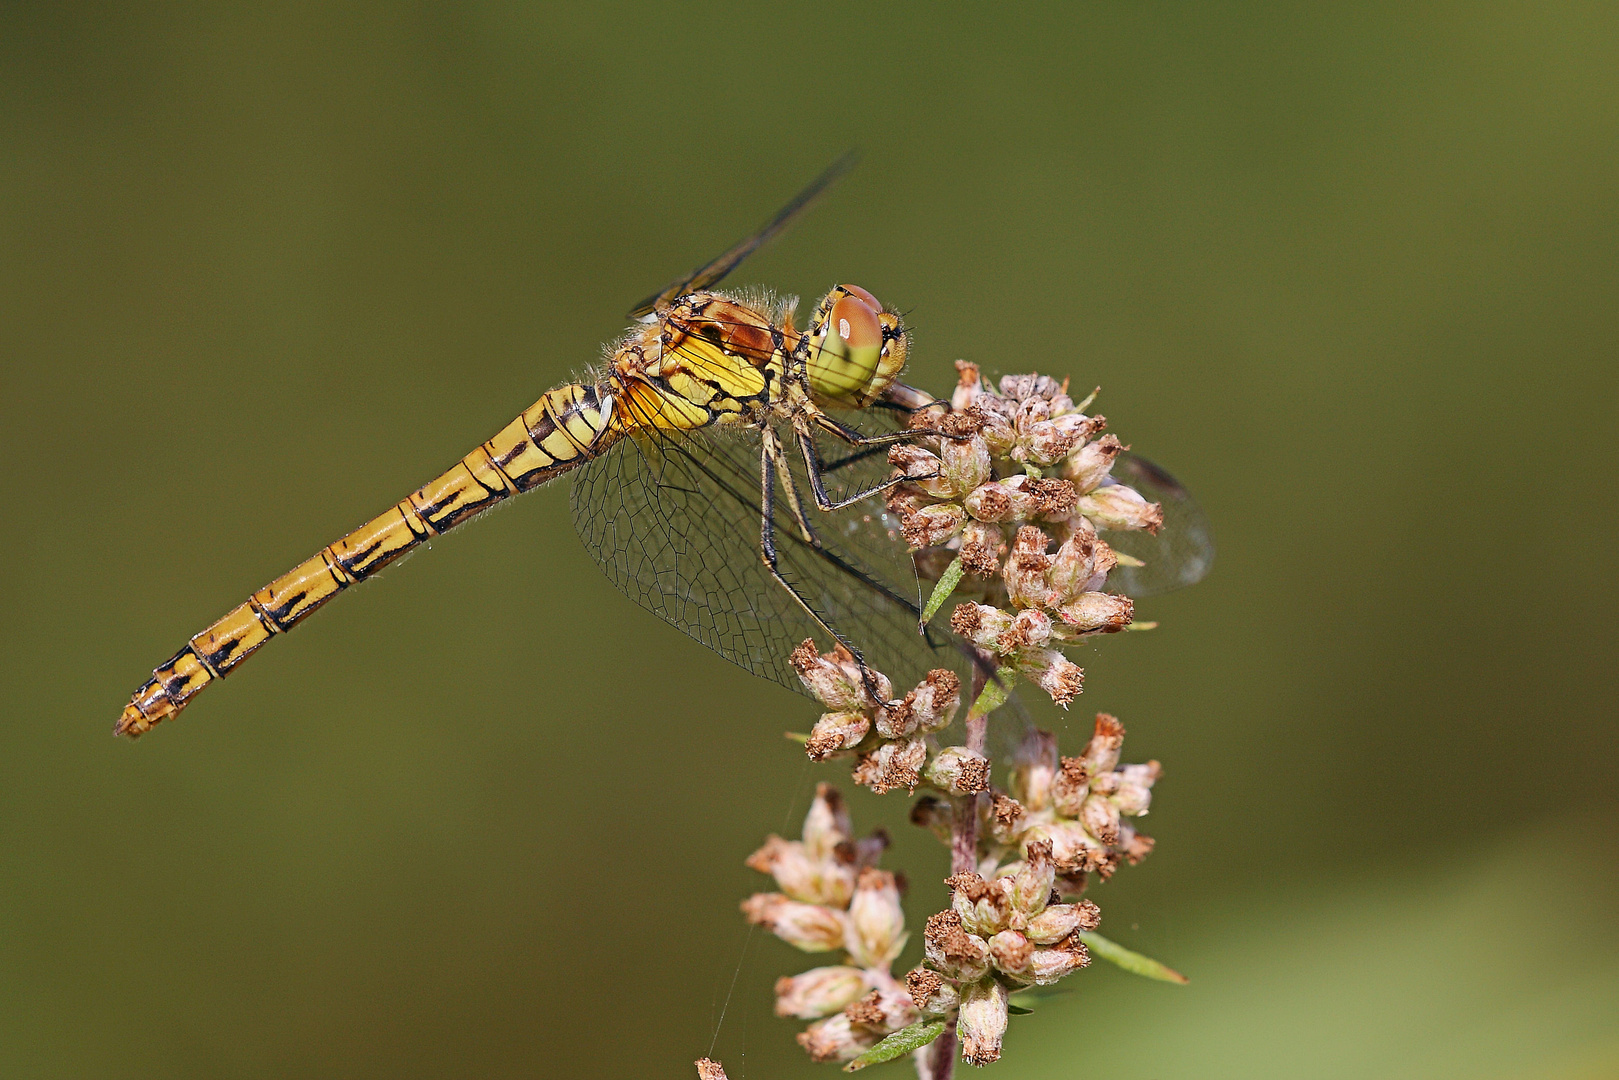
812, 466
767, 551
854, 438
851, 458
773, 450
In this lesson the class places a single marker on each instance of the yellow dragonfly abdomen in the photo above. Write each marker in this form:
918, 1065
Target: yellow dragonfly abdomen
567, 427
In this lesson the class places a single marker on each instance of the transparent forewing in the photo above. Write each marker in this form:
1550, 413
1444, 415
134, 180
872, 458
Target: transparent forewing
863, 543
674, 521
1180, 554
713, 272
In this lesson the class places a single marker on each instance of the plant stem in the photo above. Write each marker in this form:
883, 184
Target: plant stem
963, 856
964, 822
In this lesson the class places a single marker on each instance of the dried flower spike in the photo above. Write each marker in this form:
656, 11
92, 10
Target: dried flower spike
1077, 807
1004, 496
1015, 484
834, 897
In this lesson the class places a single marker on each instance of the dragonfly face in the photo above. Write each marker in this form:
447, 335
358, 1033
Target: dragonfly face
856, 349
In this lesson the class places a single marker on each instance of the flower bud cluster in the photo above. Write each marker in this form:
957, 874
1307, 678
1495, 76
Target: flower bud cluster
891, 739
998, 936
1016, 484
834, 897
1078, 808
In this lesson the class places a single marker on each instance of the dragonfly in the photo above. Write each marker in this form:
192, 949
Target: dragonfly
728, 472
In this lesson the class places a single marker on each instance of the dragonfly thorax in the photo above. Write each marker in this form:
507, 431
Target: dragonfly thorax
707, 359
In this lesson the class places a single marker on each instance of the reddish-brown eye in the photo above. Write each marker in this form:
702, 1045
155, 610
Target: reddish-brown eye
849, 349
855, 321
871, 301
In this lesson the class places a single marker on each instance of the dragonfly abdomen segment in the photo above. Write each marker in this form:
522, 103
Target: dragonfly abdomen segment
564, 429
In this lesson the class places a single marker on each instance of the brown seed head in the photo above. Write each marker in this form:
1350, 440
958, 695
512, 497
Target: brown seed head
981, 1021
932, 525
959, 771
951, 950
1054, 673
892, 765
1118, 507
1070, 786
1138, 847
1097, 613
1102, 753
1090, 464
1054, 499
934, 702
961, 425
867, 1012
991, 502
836, 732
981, 548
1006, 818
906, 499
930, 993
835, 1039
1009, 950
1030, 627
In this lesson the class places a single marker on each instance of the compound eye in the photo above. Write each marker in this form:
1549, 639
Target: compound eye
854, 319
871, 301
850, 350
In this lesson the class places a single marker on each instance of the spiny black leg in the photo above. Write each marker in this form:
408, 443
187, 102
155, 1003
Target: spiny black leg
853, 458
767, 550
772, 447
854, 438
767, 541
812, 465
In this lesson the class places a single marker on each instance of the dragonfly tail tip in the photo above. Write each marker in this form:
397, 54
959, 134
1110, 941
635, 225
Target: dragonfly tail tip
132, 723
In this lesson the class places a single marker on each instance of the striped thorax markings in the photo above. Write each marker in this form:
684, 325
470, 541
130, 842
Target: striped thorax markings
715, 361
565, 428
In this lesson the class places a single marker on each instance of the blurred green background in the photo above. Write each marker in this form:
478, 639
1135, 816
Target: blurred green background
1351, 271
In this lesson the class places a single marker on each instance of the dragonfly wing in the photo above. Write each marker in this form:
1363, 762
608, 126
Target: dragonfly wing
674, 522
710, 274
867, 536
1180, 554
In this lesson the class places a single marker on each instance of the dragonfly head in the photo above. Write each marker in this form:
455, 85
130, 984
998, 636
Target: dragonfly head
855, 348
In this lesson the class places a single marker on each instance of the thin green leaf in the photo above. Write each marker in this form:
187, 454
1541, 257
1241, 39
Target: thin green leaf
1142, 626
941, 591
993, 695
1018, 1010
899, 1043
799, 737
1128, 560
1132, 962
